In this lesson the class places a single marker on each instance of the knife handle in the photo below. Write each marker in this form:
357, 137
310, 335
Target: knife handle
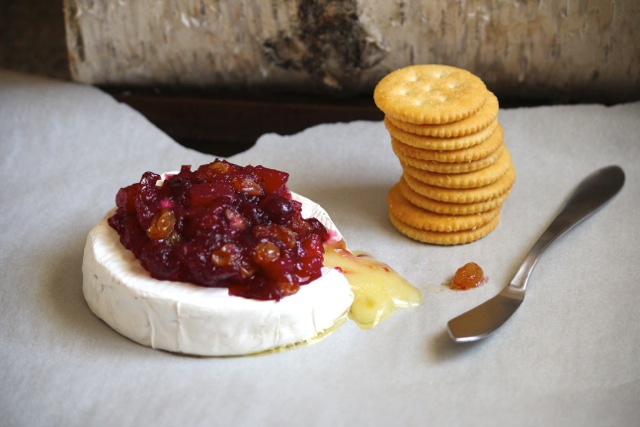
587, 198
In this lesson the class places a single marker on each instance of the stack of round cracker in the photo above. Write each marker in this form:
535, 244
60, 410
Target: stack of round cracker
457, 172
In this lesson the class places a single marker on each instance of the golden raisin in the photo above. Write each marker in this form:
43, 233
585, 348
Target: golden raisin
247, 185
266, 253
173, 238
221, 167
246, 271
287, 237
468, 276
236, 221
224, 255
162, 225
287, 285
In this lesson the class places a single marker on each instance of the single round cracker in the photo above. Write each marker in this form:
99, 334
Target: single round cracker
434, 143
466, 195
440, 238
487, 114
422, 219
448, 208
456, 167
430, 94
478, 178
475, 152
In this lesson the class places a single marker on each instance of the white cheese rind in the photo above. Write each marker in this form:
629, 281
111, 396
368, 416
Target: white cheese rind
185, 318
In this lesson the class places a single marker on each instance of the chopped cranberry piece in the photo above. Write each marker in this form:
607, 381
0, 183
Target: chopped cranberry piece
222, 225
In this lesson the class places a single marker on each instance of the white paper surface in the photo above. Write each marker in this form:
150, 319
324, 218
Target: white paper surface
570, 355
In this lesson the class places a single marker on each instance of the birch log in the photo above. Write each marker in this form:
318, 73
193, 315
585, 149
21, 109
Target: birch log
587, 49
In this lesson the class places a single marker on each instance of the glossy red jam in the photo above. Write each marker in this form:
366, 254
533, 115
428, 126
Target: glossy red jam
222, 225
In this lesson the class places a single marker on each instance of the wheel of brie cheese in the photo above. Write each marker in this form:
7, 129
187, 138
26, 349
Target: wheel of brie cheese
206, 321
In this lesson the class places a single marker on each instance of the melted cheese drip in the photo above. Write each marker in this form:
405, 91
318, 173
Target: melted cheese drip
378, 290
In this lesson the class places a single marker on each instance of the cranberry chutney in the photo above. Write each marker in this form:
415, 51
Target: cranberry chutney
221, 225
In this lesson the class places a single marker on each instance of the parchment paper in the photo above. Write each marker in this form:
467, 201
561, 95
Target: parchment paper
570, 356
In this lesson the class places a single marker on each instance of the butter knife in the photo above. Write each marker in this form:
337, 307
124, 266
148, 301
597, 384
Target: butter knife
589, 196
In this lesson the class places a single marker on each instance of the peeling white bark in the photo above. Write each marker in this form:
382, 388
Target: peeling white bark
347, 46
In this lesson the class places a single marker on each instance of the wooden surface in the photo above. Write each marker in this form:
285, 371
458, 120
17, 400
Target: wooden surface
227, 124
587, 49
32, 40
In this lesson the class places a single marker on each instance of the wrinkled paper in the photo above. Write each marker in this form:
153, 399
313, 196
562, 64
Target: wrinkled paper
569, 356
